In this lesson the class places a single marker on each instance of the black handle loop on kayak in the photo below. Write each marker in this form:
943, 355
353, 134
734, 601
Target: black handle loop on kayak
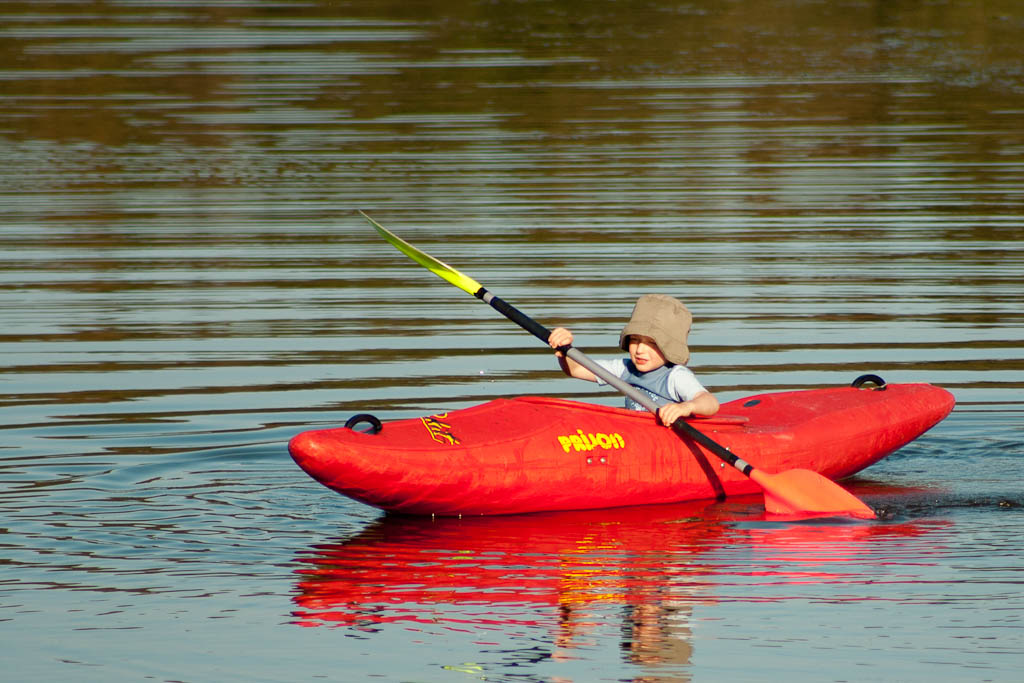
375, 424
878, 382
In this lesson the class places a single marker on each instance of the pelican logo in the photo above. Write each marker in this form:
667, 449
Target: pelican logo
440, 432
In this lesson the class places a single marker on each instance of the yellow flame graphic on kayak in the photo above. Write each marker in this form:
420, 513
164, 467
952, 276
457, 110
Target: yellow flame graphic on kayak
440, 432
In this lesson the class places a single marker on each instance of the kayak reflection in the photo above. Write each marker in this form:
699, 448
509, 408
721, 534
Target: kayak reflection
540, 570
565, 573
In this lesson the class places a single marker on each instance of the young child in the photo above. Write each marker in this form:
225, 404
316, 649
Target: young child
655, 338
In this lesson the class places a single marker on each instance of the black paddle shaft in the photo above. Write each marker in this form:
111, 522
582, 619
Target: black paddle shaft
680, 426
514, 314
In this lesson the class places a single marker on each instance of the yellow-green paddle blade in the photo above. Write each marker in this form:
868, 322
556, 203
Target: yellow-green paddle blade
439, 268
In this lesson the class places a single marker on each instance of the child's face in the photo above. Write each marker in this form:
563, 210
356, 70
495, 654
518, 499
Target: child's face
644, 353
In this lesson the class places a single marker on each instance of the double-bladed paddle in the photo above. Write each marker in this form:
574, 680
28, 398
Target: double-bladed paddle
798, 492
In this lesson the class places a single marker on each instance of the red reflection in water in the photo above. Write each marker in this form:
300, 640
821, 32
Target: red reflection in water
500, 570
559, 571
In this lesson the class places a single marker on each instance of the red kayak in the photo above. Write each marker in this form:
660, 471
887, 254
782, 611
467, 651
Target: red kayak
534, 454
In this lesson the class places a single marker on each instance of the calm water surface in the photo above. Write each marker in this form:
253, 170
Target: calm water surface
833, 188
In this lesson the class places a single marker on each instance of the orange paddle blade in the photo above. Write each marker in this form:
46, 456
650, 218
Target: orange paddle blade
800, 492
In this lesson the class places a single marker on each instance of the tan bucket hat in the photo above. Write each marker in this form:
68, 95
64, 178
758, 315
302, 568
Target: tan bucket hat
665, 320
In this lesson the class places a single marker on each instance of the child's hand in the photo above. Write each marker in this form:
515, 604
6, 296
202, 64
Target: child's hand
558, 338
670, 412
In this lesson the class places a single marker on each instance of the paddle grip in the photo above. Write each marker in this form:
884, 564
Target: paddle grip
681, 426
514, 314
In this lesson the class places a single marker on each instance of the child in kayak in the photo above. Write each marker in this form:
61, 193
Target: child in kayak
655, 338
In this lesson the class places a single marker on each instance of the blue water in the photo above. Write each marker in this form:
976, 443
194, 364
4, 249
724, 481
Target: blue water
185, 285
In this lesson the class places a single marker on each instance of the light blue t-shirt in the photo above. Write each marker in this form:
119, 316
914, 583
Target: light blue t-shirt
667, 384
